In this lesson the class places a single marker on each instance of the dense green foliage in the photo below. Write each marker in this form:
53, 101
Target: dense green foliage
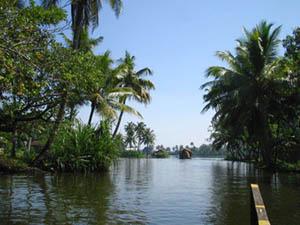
256, 98
44, 82
82, 147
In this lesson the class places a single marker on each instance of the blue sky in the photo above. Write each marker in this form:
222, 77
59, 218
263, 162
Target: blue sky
177, 39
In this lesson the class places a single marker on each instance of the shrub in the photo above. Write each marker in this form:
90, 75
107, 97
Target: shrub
82, 147
160, 154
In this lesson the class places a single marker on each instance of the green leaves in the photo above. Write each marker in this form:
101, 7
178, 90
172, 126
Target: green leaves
245, 93
138, 134
77, 148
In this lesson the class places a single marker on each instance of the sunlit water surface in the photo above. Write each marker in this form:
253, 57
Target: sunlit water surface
150, 191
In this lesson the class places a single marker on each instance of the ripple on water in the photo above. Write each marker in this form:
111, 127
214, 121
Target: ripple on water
150, 191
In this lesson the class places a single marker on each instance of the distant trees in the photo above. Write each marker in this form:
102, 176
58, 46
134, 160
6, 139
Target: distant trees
204, 150
138, 135
130, 139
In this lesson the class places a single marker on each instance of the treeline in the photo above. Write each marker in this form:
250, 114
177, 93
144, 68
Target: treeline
137, 135
44, 82
256, 98
204, 150
138, 140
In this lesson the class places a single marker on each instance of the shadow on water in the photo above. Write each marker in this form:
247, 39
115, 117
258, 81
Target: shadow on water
61, 199
231, 194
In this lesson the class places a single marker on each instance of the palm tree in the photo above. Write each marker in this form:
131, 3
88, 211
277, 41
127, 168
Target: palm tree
244, 93
130, 78
149, 137
85, 14
140, 134
104, 95
130, 138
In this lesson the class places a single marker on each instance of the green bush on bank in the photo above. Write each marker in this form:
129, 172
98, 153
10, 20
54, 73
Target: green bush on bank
160, 154
83, 148
132, 154
288, 167
8, 165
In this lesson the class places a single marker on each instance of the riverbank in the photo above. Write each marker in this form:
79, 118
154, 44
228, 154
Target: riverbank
17, 166
139, 154
281, 166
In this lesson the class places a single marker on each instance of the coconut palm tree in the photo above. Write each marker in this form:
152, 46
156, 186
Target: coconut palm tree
85, 14
130, 138
149, 137
244, 93
140, 134
130, 78
104, 95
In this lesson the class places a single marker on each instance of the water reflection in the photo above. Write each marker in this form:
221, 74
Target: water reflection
150, 191
231, 196
132, 178
230, 193
80, 199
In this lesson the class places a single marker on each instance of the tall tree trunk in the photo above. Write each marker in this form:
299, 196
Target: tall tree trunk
76, 10
119, 120
267, 155
93, 106
59, 118
267, 151
14, 142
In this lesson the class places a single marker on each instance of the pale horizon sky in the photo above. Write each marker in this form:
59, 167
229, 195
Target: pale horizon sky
178, 42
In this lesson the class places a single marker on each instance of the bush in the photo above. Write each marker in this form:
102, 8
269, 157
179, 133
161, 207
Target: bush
160, 154
8, 165
83, 148
132, 154
289, 167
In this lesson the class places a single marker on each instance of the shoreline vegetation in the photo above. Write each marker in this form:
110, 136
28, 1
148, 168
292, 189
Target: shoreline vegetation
256, 99
44, 82
47, 76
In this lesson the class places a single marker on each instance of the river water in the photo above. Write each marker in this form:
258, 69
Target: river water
150, 191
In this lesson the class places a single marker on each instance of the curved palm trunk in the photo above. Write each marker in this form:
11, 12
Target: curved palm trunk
59, 119
93, 106
119, 120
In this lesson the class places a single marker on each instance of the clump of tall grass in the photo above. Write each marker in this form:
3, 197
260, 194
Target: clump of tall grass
82, 147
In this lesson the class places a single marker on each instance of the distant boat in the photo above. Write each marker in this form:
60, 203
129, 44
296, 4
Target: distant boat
185, 153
